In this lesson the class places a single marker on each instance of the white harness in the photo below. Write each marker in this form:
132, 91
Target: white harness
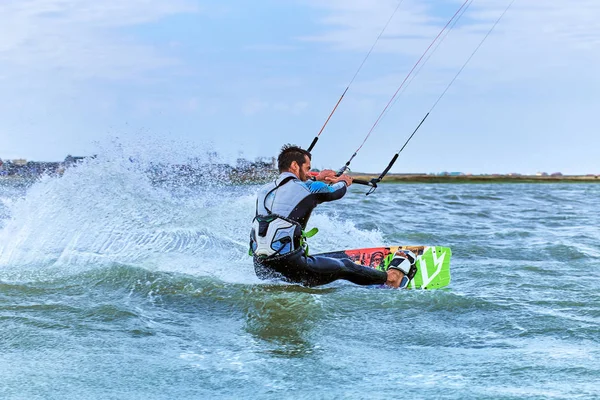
273, 234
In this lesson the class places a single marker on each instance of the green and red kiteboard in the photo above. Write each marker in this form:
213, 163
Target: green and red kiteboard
433, 262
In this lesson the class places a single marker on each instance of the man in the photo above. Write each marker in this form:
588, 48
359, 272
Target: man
283, 208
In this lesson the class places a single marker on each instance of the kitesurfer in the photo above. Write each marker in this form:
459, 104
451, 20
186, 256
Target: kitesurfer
277, 239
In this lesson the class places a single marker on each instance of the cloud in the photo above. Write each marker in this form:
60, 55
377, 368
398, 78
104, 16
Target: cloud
355, 24
198, 106
535, 39
256, 106
82, 38
270, 48
295, 108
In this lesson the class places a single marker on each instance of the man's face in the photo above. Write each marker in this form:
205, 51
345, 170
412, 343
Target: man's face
303, 173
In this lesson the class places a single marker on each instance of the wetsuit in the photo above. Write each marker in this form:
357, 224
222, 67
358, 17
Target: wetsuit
283, 208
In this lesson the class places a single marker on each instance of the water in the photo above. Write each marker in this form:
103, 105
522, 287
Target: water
115, 287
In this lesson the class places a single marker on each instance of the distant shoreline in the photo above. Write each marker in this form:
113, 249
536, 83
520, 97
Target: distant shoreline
424, 178
414, 178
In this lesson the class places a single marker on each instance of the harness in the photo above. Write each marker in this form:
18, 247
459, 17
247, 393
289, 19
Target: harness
273, 234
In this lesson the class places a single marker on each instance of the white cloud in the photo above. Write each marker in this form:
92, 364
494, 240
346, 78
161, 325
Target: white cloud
354, 25
199, 106
79, 38
295, 108
270, 48
535, 39
255, 106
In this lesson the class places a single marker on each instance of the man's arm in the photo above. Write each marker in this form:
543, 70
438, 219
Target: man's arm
335, 189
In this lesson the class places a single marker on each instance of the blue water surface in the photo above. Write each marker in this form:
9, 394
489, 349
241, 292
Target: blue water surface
114, 286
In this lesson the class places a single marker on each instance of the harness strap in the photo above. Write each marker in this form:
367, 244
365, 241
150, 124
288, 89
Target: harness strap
310, 233
305, 235
283, 182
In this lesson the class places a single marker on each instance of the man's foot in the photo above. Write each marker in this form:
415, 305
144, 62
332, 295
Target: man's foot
394, 278
401, 269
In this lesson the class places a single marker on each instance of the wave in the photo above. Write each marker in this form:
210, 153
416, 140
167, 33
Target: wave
110, 210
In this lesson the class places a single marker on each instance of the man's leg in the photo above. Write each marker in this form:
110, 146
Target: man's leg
317, 271
324, 270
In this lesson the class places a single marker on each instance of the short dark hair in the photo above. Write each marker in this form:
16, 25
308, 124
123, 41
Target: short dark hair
290, 153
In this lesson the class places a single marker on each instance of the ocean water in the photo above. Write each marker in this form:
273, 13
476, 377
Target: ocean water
114, 286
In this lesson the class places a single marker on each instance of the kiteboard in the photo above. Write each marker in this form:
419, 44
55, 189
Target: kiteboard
433, 262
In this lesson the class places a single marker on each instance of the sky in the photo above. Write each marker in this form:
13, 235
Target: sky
244, 78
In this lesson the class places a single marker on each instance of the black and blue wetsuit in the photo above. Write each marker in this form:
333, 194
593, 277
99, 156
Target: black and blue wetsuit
283, 208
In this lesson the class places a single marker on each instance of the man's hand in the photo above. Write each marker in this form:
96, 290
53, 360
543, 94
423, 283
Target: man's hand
336, 179
326, 173
328, 176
